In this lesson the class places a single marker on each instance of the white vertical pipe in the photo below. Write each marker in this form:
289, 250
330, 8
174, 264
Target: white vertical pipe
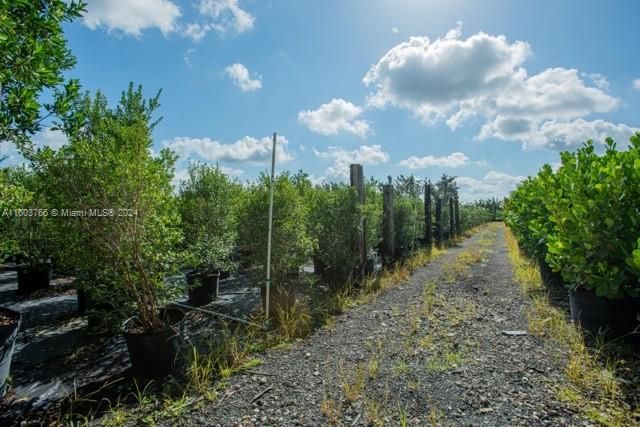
272, 184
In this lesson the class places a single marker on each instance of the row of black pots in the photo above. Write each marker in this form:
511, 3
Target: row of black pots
153, 355
32, 277
615, 318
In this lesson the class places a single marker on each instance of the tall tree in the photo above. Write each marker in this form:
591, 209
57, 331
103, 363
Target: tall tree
446, 187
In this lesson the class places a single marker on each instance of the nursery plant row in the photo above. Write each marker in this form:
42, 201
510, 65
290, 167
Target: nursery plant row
581, 223
208, 227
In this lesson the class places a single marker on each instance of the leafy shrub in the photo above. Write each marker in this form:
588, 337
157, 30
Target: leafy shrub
208, 223
596, 219
34, 59
407, 212
528, 216
472, 215
291, 245
333, 222
373, 213
108, 166
27, 230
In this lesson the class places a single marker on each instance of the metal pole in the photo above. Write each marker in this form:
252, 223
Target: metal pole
272, 184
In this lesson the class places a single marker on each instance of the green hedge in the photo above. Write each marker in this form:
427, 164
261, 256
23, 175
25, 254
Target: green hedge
528, 216
586, 217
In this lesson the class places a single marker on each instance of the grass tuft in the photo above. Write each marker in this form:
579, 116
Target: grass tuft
594, 381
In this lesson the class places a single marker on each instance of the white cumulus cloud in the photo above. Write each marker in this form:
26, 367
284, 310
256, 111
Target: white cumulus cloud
493, 184
636, 84
195, 31
483, 77
432, 77
247, 149
336, 116
240, 76
453, 160
364, 155
222, 16
131, 17
555, 134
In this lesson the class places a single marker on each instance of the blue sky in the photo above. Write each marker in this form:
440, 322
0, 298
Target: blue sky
486, 91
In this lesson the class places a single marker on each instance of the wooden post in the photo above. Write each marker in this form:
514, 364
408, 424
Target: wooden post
439, 222
388, 231
428, 231
357, 181
457, 208
452, 220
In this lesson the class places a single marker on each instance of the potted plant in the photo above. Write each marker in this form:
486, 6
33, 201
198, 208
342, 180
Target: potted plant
291, 245
528, 217
594, 211
128, 226
206, 208
28, 227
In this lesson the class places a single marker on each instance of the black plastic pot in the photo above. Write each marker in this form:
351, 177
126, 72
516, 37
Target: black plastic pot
155, 354
32, 277
202, 287
549, 277
8, 334
615, 318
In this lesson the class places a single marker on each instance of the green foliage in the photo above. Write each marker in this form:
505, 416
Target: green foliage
596, 222
291, 245
408, 213
24, 228
108, 166
373, 213
472, 215
584, 218
34, 57
334, 220
493, 205
208, 223
528, 216
408, 220
447, 188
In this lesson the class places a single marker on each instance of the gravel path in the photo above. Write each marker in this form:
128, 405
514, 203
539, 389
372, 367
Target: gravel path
449, 347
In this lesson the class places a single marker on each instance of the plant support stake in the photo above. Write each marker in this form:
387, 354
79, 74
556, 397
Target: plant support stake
268, 285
